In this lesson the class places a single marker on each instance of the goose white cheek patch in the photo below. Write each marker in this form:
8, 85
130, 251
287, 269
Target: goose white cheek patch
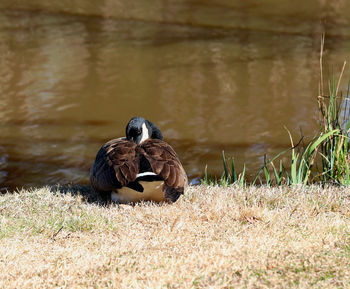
145, 134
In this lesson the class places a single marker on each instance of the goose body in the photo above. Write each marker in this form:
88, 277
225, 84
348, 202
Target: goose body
138, 167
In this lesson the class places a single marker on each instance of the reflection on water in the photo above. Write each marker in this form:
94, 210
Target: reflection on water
224, 76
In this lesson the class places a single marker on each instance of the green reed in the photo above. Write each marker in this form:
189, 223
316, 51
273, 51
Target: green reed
302, 162
334, 111
324, 159
228, 177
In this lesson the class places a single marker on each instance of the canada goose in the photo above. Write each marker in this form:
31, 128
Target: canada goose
138, 167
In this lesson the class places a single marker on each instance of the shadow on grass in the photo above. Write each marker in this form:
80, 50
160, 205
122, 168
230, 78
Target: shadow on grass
85, 191
90, 196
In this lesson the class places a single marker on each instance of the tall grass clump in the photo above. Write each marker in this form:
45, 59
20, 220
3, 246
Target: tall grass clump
324, 159
334, 111
228, 177
334, 149
302, 161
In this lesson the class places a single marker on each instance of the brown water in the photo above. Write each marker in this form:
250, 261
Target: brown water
224, 76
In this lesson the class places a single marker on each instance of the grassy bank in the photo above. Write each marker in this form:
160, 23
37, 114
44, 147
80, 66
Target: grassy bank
291, 237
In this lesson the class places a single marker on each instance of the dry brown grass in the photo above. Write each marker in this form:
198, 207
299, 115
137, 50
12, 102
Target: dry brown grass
210, 238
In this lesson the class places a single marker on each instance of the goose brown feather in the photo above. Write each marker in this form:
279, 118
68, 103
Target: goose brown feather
164, 162
119, 161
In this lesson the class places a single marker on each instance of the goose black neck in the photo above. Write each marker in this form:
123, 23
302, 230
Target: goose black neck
156, 133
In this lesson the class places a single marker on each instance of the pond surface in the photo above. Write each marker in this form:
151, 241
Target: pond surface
225, 76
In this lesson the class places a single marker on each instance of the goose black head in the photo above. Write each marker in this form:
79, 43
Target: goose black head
140, 129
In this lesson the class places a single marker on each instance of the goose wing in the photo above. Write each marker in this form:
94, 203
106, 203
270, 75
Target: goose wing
115, 165
165, 163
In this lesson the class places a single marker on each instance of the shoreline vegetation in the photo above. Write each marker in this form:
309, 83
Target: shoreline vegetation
322, 160
256, 237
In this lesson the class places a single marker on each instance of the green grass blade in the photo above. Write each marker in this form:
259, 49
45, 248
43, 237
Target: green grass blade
281, 172
315, 144
262, 168
205, 180
267, 176
293, 170
347, 174
226, 172
241, 177
276, 174
233, 171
